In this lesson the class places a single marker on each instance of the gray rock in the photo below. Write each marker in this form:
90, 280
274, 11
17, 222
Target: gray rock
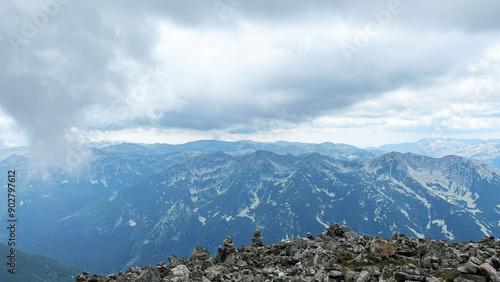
495, 262
81, 278
383, 248
364, 276
432, 279
150, 274
214, 273
335, 274
463, 269
309, 236
338, 254
472, 267
401, 276
473, 277
476, 260
199, 253
180, 270
489, 272
174, 261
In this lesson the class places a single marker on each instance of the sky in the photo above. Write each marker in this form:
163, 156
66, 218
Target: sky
365, 73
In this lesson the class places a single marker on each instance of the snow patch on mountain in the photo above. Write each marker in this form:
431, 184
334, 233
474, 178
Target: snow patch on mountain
405, 213
418, 235
444, 229
244, 213
485, 231
441, 186
202, 220
104, 182
64, 218
115, 193
320, 221
172, 207
255, 201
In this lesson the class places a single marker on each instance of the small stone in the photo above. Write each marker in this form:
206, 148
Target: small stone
335, 274
432, 279
475, 260
401, 276
180, 270
81, 278
364, 276
472, 267
495, 262
174, 261
310, 236
463, 269
472, 277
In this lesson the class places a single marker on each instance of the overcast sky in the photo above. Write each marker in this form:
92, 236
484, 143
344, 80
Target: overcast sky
364, 73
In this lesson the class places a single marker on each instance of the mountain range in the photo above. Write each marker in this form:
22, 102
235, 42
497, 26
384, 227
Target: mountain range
487, 151
133, 203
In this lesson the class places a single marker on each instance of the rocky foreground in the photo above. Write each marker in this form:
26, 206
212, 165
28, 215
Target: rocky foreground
338, 254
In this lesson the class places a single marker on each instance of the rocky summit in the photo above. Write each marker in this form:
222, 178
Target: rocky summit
338, 254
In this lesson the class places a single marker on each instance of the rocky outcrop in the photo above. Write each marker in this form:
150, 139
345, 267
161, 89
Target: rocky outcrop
338, 254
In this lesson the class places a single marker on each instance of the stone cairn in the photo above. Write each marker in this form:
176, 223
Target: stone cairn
338, 254
257, 239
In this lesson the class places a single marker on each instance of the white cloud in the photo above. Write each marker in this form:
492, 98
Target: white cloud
172, 72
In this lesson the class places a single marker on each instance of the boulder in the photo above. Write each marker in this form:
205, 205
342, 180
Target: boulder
383, 248
401, 276
199, 253
309, 236
149, 274
180, 271
489, 272
472, 277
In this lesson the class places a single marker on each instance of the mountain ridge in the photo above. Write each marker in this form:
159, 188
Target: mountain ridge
200, 199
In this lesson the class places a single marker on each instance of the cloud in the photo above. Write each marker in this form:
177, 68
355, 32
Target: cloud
240, 68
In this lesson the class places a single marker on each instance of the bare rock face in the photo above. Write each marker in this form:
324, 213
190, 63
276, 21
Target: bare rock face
338, 254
